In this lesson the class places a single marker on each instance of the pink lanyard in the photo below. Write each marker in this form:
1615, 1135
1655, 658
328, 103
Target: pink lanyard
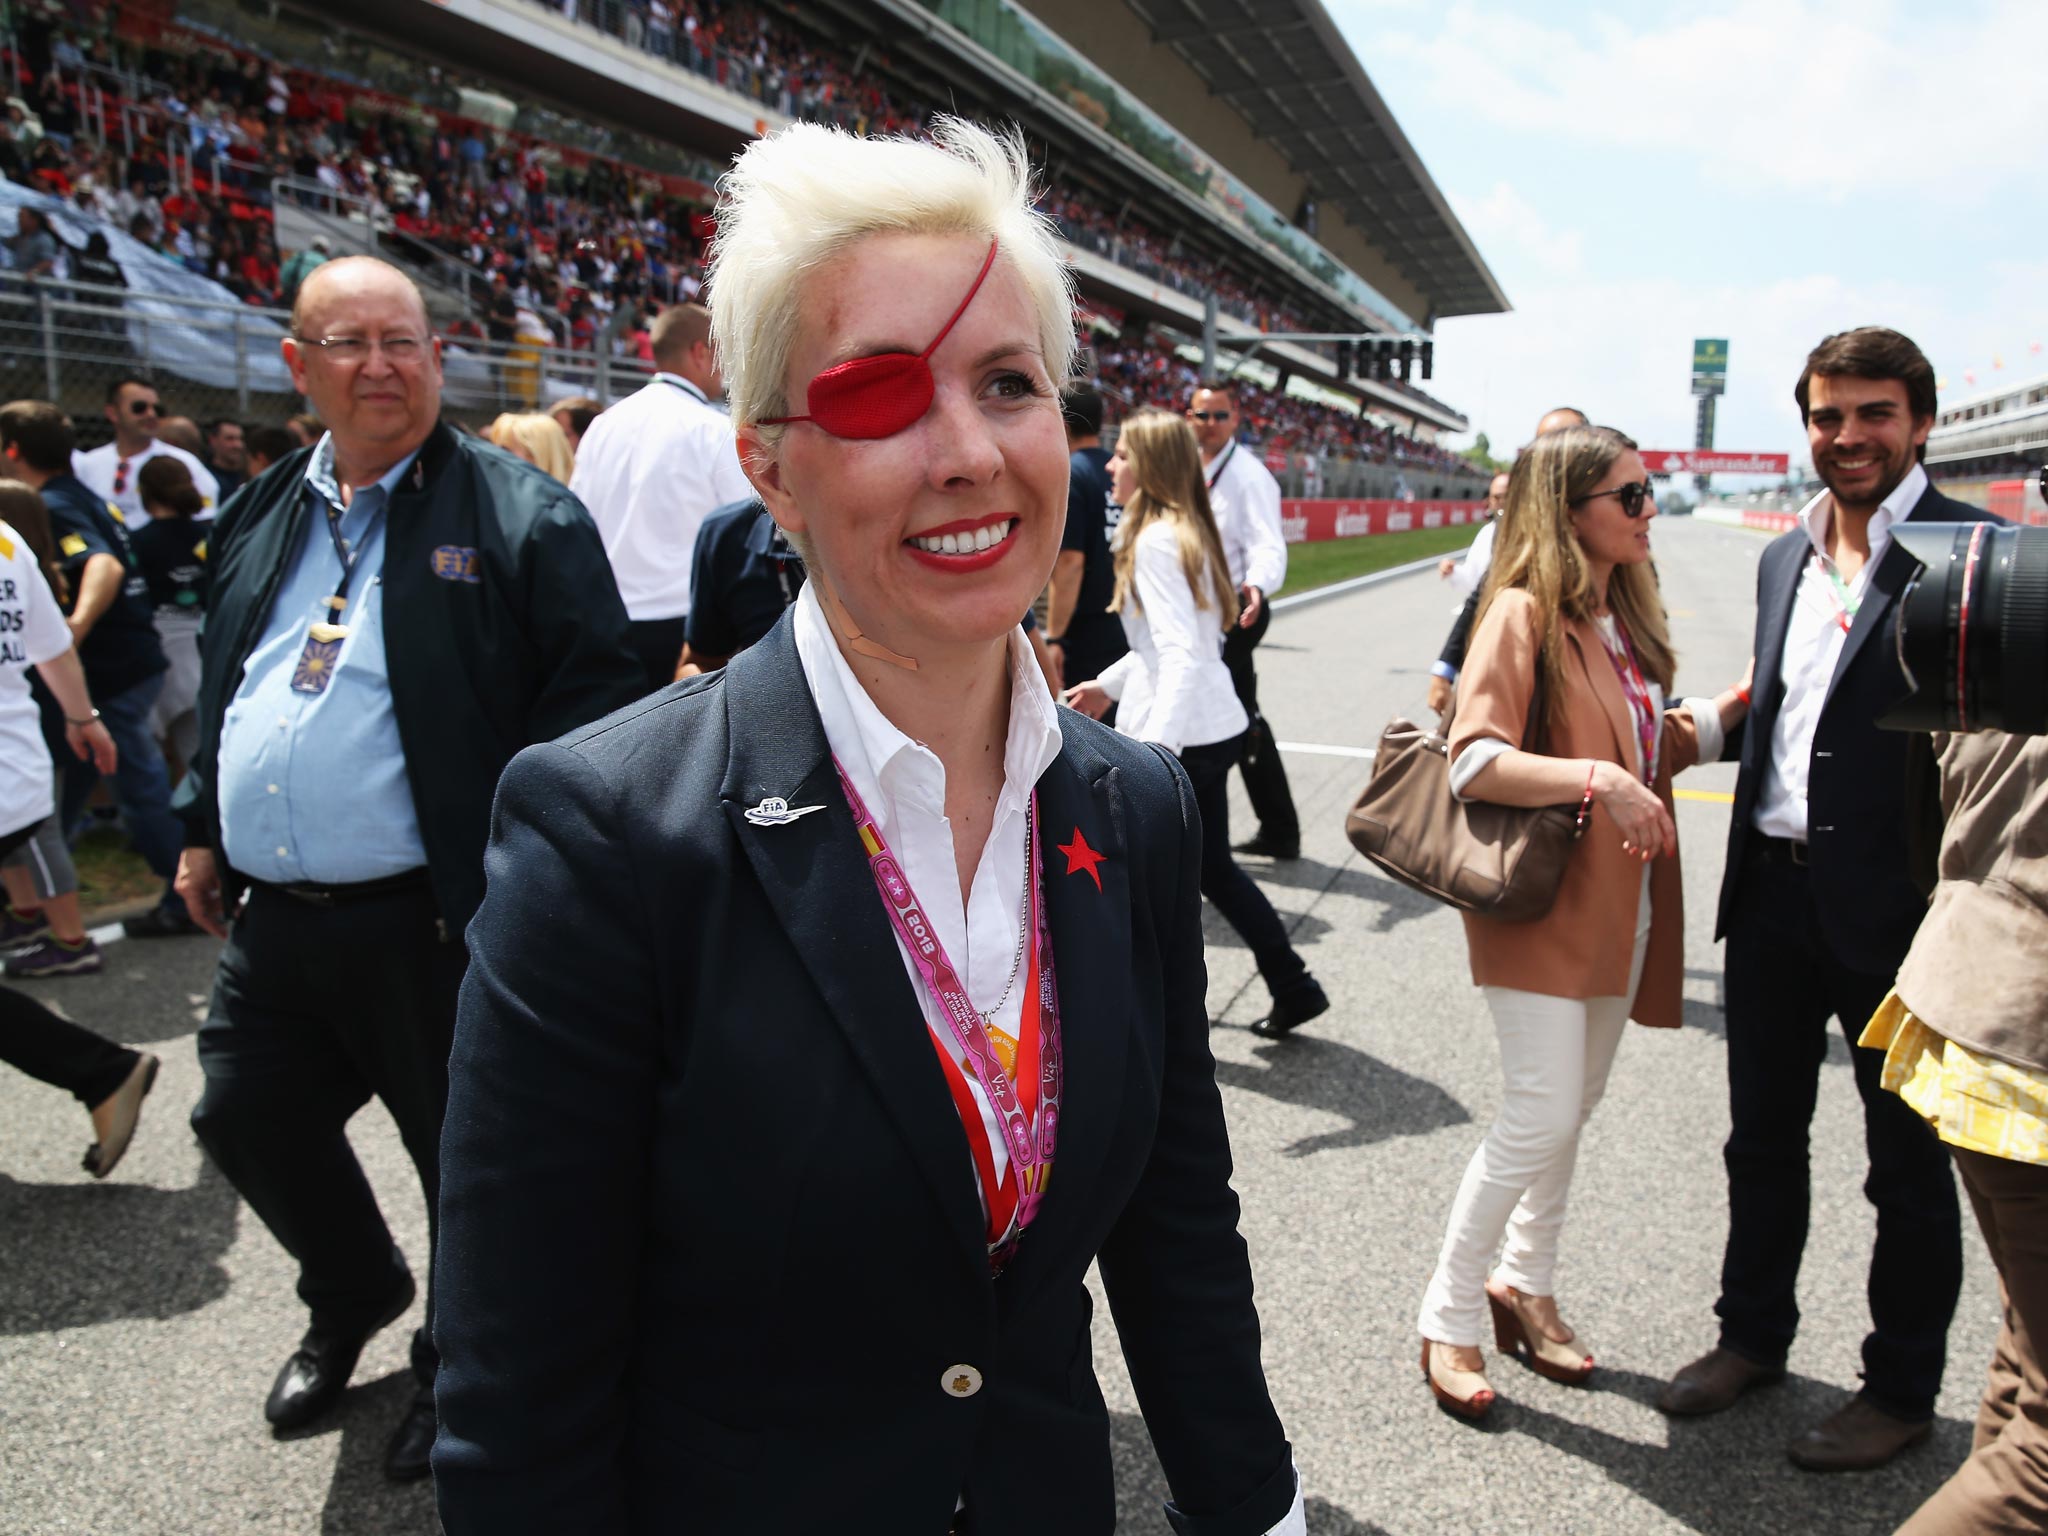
1030, 1155
1637, 692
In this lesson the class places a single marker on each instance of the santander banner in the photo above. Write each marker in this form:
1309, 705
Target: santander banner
1311, 522
1705, 461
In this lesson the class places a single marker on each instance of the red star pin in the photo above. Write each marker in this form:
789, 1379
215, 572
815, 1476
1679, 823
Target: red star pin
1081, 859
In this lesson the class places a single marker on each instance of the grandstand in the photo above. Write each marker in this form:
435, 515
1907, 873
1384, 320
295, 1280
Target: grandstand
555, 186
1995, 438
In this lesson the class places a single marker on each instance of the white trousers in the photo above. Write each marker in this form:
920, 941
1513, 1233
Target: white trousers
1555, 1053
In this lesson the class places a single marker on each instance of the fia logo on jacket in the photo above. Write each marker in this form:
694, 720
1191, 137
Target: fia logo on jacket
456, 562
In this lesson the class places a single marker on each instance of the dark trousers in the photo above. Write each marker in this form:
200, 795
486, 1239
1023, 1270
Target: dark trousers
2002, 1490
1242, 903
142, 784
1265, 779
316, 1009
1784, 983
659, 645
58, 1052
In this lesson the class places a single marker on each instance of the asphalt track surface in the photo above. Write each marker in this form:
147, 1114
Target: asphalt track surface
141, 1320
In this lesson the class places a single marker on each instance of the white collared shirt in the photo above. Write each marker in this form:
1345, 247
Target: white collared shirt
1171, 686
100, 470
651, 469
1813, 647
1246, 500
904, 785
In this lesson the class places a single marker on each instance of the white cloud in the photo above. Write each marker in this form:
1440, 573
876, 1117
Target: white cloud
1505, 218
1931, 101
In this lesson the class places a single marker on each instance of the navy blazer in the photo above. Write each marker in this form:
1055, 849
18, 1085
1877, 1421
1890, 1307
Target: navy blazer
710, 1246
1858, 815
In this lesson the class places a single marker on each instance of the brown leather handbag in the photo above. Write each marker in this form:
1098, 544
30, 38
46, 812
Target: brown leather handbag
1504, 862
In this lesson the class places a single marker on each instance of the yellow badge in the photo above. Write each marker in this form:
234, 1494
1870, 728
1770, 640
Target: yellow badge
115, 513
6, 547
71, 544
199, 550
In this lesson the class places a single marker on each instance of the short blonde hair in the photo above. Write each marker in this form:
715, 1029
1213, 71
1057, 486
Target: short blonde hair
797, 198
544, 442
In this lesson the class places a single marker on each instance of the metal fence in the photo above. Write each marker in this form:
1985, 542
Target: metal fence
67, 342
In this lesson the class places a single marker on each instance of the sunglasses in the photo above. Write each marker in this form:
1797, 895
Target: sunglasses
874, 397
1208, 415
1632, 496
144, 408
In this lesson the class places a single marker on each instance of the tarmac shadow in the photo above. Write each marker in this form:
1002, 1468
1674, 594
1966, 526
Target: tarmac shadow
79, 1254
1379, 1102
361, 1501
1728, 1475
1141, 1491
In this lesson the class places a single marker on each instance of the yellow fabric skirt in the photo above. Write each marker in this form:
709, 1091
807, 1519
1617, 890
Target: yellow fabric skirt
1972, 1101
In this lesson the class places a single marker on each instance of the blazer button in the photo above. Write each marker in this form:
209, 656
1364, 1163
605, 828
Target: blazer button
960, 1381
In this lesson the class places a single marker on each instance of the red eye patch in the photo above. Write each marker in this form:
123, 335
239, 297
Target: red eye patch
880, 396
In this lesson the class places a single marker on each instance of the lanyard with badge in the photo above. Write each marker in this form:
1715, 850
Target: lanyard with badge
1222, 461
1001, 1065
1843, 605
1628, 670
324, 637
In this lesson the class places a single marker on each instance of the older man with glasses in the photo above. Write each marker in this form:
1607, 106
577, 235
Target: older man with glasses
395, 612
110, 470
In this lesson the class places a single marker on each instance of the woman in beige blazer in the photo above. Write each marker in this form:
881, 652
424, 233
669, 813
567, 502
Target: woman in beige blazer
1572, 598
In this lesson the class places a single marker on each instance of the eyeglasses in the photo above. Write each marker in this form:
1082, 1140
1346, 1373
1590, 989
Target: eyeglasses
1632, 497
874, 397
1208, 415
144, 408
400, 350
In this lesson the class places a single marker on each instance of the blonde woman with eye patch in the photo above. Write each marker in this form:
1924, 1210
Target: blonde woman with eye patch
832, 1013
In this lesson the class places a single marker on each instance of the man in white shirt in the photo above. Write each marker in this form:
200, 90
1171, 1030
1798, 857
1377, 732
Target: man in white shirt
1246, 500
1819, 907
109, 471
650, 470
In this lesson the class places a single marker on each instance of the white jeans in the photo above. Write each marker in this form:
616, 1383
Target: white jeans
1555, 1053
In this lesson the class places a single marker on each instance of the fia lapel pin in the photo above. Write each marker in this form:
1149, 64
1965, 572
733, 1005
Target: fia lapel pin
778, 812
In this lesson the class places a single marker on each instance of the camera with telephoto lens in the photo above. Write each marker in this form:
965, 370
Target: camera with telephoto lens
1973, 629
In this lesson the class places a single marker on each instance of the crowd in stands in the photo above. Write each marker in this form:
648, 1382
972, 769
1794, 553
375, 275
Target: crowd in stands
1154, 373
578, 248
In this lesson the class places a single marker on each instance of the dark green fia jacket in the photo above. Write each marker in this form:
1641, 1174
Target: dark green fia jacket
502, 622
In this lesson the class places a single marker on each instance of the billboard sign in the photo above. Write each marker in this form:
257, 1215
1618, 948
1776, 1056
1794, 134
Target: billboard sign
1710, 366
1709, 461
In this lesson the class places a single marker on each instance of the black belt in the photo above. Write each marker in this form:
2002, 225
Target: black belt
1786, 850
346, 895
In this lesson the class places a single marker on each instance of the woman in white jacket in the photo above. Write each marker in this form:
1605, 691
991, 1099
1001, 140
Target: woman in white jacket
1174, 595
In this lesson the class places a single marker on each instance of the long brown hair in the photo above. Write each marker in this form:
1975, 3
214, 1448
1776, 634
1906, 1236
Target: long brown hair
22, 509
1537, 551
1167, 463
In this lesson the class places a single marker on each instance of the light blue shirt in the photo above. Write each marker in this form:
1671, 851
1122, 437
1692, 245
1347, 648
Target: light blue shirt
312, 786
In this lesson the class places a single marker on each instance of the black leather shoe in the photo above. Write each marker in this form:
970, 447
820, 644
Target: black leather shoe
160, 922
313, 1380
1297, 1005
406, 1458
1264, 847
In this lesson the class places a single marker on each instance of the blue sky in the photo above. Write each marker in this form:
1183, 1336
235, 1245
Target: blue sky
1764, 170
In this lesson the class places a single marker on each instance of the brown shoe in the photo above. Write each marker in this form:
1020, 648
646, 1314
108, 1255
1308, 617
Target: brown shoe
1856, 1437
1713, 1382
114, 1117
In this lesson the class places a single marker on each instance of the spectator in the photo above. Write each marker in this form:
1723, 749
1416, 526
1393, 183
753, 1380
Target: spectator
1085, 634
109, 470
124, 661
170, 548
95, 266
183, 432
227, 455
537, 439
305, 428
269, 444
653, 467
574, 416
743, 573
298, 266
34, 247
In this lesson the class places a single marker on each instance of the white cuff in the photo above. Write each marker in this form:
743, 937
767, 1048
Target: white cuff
1706, 718
1296, 1521
1472, 760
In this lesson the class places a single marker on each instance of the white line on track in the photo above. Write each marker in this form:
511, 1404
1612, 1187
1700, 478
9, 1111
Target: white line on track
1339, 588
1321, 749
